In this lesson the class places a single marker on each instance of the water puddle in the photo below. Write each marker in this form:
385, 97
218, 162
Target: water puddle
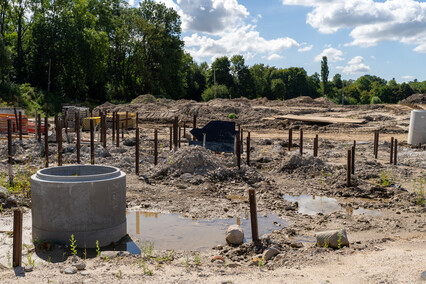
312, 205
171, 231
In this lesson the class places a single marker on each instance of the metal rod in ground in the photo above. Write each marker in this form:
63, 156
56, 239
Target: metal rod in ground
184, 129
92, 142
77, 132
117, 127
39, 128
348, 169
137, 152
66, 124
204, 140
20, 126
56, 128
301, 142
46, 142
16, 119
316, 146
59, 134
238, 151
353, 160
175, 132
248, 149
290, 139
101, 127
137, 120
17, 237
113, 128
242, 140
376, 153
35, 125
9, 150
155, 147
391, 152
171, 138
395, 152
253, 216
180, 133
104, 130
127, 121
194, 125
122, 130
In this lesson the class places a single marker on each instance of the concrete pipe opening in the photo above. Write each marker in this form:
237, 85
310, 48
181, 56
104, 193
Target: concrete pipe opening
87, 201
417, 130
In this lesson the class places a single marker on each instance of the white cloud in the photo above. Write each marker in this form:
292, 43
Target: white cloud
408, 77
354, 66
273, 56
371, 22
243, 41
131, 2
332, 54
305, 48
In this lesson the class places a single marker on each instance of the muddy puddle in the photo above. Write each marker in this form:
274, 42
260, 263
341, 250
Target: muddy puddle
171, 231
312, 205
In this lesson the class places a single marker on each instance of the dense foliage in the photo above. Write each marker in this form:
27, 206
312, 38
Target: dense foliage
92, 51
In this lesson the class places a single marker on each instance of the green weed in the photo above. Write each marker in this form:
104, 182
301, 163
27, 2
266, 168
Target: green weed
146, 248
98, 250
73, 246
232, 115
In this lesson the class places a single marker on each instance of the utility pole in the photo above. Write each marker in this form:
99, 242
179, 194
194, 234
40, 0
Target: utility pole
343, 92
48, 80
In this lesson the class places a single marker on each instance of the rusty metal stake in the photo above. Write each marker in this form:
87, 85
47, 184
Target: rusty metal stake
248, 149
92, 142
17, 237
137, 151
39, 128
353, 158
175, 132
290, 139
301, 142
395, 153
127, 120
104, 131
77, 132
46, 142
117, 127
242, 140
155, 147
316, 146
194, 125
180, 129
113, 128
391, 152
137, 120
348, 169
376, 144
59, 137
253, 216
20, 126
56, 127
238, 151
9, 150
171, 138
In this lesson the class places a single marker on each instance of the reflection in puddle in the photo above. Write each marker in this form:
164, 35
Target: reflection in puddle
312, 205
171, 231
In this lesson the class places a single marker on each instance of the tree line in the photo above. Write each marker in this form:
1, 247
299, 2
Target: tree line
92, 51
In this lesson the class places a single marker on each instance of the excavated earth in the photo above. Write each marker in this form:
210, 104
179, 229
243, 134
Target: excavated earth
387, 236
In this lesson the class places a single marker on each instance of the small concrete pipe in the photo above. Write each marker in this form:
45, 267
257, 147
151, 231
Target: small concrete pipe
417, 130
87, 201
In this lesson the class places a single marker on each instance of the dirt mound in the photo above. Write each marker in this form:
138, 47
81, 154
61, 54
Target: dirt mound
415, 99
142, 99
194, 160
324, 101
300, 100
297, 161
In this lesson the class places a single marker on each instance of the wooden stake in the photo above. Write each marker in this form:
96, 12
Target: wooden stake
20, 126
77, 132
155, 147
248, 149
395, 153
137, 151
301, 142
348, 169
46, 142
17, 238
59, 137
92, 143
253, 216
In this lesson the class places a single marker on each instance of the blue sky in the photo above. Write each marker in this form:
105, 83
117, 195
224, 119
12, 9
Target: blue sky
383, 38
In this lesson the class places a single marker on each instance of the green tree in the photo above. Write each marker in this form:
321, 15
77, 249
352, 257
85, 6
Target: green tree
324, 75
221, 92
221, 68
278, 88
243, 80
5, 60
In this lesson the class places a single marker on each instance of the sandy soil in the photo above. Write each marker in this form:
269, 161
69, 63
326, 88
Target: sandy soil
387, 240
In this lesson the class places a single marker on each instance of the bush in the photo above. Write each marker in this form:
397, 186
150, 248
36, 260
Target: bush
232, 116
221, 92
375, 100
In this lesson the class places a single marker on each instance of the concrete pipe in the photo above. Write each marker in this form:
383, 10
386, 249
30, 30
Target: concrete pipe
417, 131
87, 201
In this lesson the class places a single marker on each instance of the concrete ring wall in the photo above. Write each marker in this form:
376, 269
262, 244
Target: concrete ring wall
87, 201
417, 130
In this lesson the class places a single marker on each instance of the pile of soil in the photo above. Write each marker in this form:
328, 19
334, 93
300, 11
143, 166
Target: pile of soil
148, 98
415, 99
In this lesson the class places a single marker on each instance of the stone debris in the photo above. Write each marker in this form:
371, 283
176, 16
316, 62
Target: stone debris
270, 253
333, 239
234, 235
70, 270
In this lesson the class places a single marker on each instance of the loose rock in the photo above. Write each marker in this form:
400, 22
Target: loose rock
70, 270
234, 235
333, 239
270, 253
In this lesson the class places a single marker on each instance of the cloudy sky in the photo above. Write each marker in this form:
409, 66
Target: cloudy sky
383, 38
